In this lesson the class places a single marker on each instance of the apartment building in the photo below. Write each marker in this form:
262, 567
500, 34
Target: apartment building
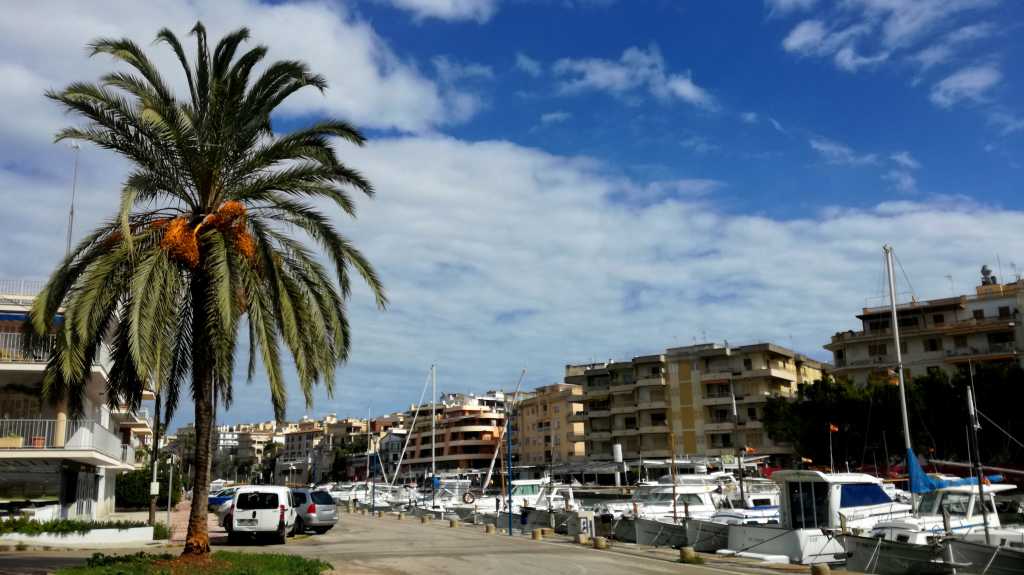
300, 458
51, 465
944, 334
543, 433
684, 396
624, 404
704, 381
468, 427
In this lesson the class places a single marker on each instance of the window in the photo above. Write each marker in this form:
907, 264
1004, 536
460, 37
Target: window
754, 439
960, 341
655, 371
875, 349
878, 324
979, 314
938, 319
858, 494
257, 500
1004, 312
300, 498
808, 503
752, 413
932, 344
908, 323
955, 503
748, 364
322, 498
903, 347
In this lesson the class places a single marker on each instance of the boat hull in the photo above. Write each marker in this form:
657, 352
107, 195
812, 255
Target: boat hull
986, 558
884, 557
804, 546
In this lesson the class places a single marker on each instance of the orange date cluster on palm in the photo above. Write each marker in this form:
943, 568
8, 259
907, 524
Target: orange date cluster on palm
181, 239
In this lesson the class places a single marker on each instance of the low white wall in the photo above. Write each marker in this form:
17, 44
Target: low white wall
88, 539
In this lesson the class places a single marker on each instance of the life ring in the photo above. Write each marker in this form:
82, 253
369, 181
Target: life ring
468, 498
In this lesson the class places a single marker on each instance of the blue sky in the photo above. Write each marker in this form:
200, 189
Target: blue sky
572, 180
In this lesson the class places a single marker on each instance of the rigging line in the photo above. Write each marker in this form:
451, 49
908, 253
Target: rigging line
1006, 433
412, 428
913, 295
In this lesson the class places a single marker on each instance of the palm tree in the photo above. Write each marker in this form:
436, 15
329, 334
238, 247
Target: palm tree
205, 238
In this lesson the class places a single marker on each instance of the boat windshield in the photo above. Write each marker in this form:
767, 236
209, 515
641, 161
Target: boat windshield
666, 499
518, 490
955, 503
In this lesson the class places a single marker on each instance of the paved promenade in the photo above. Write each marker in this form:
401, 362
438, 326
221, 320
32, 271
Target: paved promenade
364, 545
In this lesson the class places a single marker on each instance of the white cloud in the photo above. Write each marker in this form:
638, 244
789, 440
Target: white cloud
967, 84
368, 83
847, 59
529, 65
555, 117
478, 10
778, 127
902, 180
905, 160
749, 117
886, 27
451, 71
906, 21
783, 7
1007, 122
805, 37
699, 144
840, 154
946, 48
635, 69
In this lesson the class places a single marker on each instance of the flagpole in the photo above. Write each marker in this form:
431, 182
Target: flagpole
831, 464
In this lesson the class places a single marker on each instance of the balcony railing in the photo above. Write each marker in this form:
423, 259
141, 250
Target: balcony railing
76, 434
992, 348
12, 348
23, 288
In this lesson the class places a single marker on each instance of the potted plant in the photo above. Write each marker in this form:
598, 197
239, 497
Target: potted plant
11, 441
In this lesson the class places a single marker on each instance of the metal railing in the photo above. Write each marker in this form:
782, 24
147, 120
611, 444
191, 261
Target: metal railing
26, 288
992, 348
76, 434
12, 348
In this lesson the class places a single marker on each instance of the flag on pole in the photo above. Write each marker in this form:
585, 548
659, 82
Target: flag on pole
832, 428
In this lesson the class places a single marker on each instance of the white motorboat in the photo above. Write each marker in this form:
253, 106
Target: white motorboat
813, 505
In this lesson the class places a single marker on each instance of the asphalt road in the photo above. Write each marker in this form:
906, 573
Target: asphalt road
362, 545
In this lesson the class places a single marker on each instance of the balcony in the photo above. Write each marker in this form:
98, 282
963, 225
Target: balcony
20, 292
619, 409
627, 387
717, 426
650, 381
993, 351
663, 428
717, 398
652, 404
600, 435
84, 441
13, 350
624, 431
604, 412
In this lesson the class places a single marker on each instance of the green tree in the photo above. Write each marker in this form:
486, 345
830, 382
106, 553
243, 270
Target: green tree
204, 241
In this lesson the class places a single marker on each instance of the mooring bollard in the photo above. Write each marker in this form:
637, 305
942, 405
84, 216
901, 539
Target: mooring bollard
453, 523
820, 569
538, 534
424, 519
362, 511
380, 514
490, 529
401, 515
687, 554
582, 539
600, 543
547, 531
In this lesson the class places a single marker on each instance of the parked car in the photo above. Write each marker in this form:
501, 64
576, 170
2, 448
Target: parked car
215, 500
314, 509
260, 509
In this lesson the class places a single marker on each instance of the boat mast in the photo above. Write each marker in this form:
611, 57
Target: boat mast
975, 425
433, 432
501, 432
896, 338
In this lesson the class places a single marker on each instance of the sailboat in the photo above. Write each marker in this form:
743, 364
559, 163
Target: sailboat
943, 535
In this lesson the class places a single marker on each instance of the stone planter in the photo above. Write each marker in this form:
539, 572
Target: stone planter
93, 538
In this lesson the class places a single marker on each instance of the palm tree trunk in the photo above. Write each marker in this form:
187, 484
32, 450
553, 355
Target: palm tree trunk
197, 541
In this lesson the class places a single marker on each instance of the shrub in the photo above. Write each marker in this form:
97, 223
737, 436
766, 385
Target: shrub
161, 531
27, 526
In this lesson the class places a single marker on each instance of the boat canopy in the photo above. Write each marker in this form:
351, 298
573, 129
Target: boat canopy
921, 482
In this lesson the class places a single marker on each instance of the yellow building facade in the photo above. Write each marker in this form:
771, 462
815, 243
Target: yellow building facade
545, 431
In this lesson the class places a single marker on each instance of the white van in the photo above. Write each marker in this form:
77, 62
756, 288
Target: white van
258, 509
